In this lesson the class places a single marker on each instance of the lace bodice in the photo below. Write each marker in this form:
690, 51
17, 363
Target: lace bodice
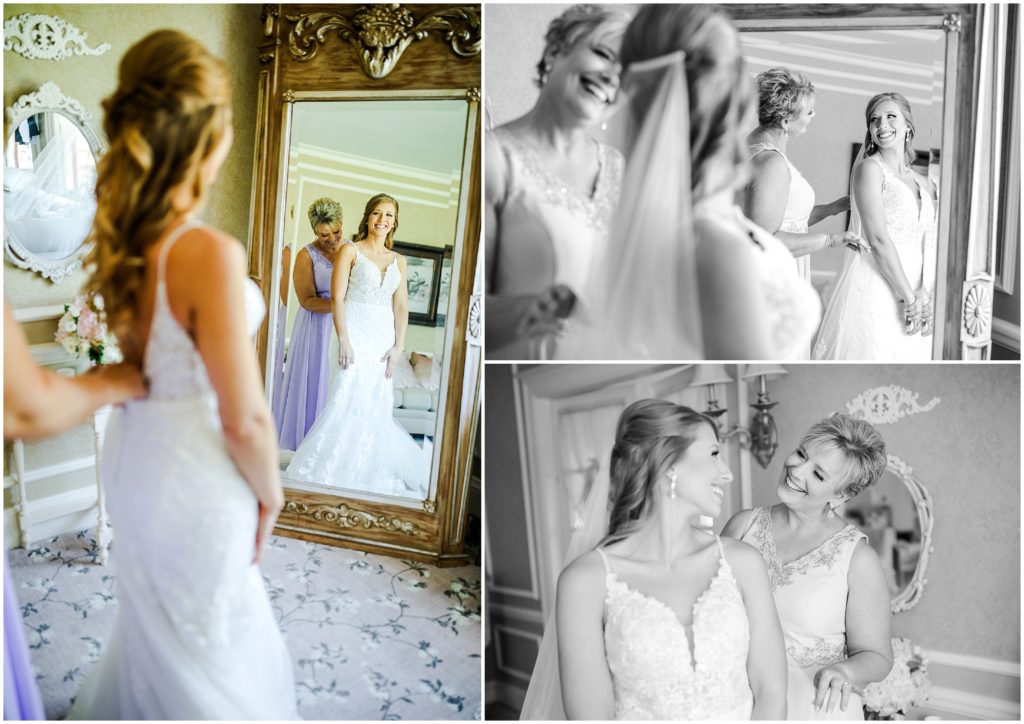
172, 364
909, 217
649, 656
810, 592
367, 285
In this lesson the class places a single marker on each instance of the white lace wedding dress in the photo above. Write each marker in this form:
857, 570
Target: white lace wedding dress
356, 442
863, 320
195, 636
654, 675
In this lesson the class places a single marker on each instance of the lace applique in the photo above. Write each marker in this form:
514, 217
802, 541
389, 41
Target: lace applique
783, 574
821, 652
368, 285
905, 222
596, 211
653, 673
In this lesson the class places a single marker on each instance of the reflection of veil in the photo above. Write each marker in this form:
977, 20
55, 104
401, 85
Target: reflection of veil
43, 208
544, 694
641, 300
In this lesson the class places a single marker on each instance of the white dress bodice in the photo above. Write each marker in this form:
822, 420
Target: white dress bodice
799, 203
648, 652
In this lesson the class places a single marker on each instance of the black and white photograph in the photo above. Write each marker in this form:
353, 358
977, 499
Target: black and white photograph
734, 541
753, 182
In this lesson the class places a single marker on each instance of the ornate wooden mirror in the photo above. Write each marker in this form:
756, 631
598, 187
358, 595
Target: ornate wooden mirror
356, 101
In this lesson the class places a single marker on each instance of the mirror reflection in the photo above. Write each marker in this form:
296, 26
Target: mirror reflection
887, 514
49, 182
814, 187
372, 209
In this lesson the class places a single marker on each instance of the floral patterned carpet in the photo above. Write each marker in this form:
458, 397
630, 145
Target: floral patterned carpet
371, 637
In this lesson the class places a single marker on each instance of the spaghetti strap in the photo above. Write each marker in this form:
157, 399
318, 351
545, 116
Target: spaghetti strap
161, 265
750, 523
604, 559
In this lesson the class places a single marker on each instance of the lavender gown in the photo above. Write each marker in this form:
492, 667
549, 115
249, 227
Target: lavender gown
306, 374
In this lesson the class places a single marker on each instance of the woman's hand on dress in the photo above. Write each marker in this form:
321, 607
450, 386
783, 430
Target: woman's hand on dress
831, 686
850, 240
391, 358
548, 311
346, 355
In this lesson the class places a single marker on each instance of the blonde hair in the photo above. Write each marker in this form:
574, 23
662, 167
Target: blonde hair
861, 445
171, 109
364, 226
324, 212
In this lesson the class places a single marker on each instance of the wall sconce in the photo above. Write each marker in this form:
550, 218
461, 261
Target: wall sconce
762, 437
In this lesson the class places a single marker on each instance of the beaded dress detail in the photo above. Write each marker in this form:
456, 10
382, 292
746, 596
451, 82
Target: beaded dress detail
649, 657
195, 637
356, 441
810, 595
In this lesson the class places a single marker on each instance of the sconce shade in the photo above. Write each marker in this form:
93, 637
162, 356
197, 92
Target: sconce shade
769, 371
710, 375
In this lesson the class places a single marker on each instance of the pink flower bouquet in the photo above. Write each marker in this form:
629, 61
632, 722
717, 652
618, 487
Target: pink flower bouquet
82, 331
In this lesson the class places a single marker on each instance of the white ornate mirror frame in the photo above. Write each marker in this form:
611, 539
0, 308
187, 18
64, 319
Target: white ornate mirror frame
327, 51
49, 98
46, 37
908, 597
886, 405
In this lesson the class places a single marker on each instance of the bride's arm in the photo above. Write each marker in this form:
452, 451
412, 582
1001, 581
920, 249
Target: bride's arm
210, 273
766, 659
733, 315
400, 307
582, 662
868, 633
339, 288
867, 191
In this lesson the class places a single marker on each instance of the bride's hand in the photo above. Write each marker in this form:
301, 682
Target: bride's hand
831, 687
926, 322
548, 312
391, 357
346, 355
912, 315
264, 527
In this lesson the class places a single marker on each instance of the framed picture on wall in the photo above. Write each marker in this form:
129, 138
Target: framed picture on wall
423, 271
446, 286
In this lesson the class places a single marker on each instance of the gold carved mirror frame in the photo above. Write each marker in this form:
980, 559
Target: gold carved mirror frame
333, 52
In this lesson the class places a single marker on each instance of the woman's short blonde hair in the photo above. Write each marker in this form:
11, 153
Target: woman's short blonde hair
572, 26
780, 94
325, 212
861, 445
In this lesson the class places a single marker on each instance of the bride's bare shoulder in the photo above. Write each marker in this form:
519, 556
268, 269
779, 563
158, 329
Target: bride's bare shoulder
583, 576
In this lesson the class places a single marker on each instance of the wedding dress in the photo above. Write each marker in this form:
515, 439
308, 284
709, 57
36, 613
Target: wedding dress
195, 636
356, 442
648, 650
863, 319
810, 595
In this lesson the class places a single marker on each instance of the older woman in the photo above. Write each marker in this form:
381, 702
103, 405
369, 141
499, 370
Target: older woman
829, 588
882, 306
778, 197
551, 186
302, 394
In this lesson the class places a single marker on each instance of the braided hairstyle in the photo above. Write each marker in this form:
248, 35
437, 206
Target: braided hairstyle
171, 109
650, 437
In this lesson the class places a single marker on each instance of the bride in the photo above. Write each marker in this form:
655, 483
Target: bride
356, 442
661, 620
882, 308
190, 472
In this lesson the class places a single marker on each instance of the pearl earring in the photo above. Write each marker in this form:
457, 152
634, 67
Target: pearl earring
672, 484
831, 513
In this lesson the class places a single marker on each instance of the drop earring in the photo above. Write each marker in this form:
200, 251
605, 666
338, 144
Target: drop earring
672, 484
